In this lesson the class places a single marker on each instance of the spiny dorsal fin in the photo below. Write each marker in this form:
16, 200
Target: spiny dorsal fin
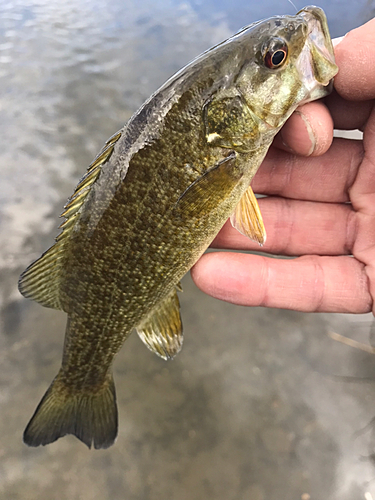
162, 329
41, 280
247, 218
83, 188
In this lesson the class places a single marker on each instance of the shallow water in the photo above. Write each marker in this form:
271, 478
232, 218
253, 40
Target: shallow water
260, 404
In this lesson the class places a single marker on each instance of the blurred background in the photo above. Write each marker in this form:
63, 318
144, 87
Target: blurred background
260, 404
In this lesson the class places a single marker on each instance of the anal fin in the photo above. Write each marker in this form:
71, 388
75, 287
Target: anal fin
161, 331
247, 218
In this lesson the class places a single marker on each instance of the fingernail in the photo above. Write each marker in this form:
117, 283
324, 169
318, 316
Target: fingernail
297, 136
310, 133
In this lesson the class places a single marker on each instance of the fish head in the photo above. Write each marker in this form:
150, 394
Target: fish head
289, 61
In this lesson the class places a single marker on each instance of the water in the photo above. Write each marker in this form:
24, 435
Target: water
259, 404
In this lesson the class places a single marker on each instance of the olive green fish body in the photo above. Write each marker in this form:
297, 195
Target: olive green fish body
129, 255
152, 202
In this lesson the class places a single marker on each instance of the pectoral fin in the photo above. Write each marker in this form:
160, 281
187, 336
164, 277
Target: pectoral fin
162, 329
247, 218
208, 191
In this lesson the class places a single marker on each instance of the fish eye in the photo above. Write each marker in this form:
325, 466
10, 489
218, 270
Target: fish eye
275, 54
275, 59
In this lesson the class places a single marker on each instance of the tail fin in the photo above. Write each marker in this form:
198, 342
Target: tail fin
90, 416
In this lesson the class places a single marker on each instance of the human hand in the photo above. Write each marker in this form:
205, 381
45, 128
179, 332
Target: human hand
320, 204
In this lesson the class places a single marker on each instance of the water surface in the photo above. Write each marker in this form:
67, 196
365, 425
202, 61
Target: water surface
260, 404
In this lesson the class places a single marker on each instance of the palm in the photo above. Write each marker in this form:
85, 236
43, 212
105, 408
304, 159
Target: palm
320, 208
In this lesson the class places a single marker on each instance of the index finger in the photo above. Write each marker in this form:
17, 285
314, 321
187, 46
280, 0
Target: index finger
355, 58
327, 178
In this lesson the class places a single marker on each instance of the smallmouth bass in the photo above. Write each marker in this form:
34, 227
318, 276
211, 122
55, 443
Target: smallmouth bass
153, 200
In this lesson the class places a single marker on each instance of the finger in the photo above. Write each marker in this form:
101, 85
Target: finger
296, 228
311, 283
348, 115
355, 58
364, 248
309, 131
362, 192
326, 178
362, 195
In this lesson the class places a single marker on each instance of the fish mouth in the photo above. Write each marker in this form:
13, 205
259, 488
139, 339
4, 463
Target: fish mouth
317, 61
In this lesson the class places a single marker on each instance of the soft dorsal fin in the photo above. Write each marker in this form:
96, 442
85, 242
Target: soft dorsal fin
161, 331
41, 280
247, 218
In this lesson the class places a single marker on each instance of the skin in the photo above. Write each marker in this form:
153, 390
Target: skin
320, 205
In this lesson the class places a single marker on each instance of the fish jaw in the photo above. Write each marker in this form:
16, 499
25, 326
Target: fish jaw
316, 63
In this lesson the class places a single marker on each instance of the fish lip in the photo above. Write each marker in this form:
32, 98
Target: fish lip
316, 63
319, 36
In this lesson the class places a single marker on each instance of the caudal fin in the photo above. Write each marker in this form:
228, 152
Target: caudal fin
90, 416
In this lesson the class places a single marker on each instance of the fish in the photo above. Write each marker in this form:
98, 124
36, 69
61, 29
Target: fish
153, 200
